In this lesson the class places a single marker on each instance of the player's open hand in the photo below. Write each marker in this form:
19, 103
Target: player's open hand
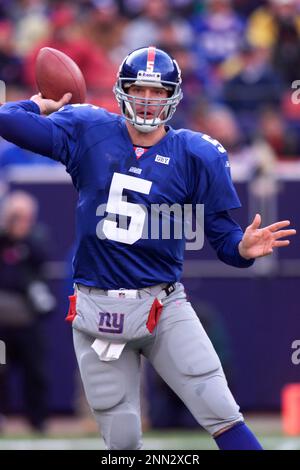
258, 242
50, 106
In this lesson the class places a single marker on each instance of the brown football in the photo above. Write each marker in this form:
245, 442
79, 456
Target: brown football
57, 74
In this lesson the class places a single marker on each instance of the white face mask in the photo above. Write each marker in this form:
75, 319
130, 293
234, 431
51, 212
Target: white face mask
166, 106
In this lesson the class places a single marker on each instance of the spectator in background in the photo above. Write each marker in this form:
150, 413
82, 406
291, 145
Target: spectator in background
149, 27
246, 7
220, 122
263, 24
31, 24
67, 35
6, 6
134, 8
103, 26
277, 26
185, 7
282, 137
24, 298
254, 87
11, 69
219, 31
286, 50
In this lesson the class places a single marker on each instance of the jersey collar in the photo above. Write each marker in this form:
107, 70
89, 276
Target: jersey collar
152, 150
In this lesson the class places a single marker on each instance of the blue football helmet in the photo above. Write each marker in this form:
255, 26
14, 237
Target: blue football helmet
151, 67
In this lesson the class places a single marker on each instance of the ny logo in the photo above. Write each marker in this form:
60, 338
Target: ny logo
111, 322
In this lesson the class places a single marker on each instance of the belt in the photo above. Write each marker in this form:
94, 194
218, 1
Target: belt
159, 291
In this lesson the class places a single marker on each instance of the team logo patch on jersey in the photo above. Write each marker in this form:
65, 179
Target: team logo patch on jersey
111, 322
134, 169
161, 159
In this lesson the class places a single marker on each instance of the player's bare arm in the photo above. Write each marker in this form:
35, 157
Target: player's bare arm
258, 242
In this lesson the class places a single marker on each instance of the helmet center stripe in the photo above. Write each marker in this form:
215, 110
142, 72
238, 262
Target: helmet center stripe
150, 59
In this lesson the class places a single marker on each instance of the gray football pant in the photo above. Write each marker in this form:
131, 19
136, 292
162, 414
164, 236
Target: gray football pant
183, 356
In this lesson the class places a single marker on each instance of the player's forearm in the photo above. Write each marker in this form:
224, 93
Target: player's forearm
224, 234
21, 124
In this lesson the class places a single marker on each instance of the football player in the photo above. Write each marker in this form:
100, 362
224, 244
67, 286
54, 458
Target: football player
128, 297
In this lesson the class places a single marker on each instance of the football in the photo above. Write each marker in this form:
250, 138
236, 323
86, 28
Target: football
57, 74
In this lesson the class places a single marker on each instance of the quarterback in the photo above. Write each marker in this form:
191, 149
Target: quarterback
128, 299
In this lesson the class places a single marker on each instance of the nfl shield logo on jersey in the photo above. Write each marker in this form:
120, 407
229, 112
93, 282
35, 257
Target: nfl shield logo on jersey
139, 151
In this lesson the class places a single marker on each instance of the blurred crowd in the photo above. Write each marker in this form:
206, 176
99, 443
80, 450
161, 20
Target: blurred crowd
239, 59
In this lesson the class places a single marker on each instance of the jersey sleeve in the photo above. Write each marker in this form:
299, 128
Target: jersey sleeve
224, 234
55, 136
21, 124
66, 129
211, 181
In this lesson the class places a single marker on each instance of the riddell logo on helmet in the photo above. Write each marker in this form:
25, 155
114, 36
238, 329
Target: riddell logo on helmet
143, 75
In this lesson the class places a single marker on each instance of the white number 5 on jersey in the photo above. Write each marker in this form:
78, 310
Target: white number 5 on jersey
116, 205
215, 142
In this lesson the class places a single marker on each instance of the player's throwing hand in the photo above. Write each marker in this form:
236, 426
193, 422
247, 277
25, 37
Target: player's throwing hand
50, 106
258, 242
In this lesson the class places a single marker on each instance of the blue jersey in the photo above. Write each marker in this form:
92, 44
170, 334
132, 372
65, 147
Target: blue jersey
184, 167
